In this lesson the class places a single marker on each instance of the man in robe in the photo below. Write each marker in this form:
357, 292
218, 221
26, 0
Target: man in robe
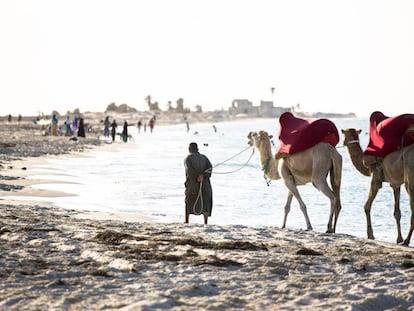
198, 191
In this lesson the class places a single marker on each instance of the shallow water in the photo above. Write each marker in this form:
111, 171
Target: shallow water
146, 176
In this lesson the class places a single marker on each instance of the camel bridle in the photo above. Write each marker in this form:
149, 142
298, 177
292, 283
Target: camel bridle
265, 167
355, 141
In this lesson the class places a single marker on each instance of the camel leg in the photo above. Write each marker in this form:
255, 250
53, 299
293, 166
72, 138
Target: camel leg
302, 208
320, 170
337, 207
397, 211
375, 186
410, 191
287, 208
335, 210
337, 199
322, 186
290, 184
408, 238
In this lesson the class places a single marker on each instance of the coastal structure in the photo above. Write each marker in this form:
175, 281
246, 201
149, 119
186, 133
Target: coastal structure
244, 107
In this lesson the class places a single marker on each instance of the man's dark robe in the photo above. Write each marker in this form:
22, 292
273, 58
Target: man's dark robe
198, 164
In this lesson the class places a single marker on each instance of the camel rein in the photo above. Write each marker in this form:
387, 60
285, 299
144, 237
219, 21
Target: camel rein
200, 192
232, 157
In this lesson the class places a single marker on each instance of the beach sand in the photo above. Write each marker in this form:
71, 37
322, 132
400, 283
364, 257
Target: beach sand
59, 259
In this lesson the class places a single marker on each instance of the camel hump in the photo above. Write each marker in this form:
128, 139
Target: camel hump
297, 134
389, 134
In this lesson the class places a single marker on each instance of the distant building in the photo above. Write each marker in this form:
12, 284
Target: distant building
153, 106
243, 106
265, 110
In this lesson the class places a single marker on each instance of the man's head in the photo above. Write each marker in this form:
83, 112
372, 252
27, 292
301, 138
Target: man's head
193, 147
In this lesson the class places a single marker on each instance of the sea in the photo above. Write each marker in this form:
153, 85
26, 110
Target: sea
145, 176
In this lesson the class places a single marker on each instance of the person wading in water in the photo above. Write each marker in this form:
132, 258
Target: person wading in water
198, 191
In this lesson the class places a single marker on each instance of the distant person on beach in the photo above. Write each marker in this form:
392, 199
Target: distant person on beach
114, 126
81, 129
9, 118
198, 191
107, 124
152, 123
139, 125
68, 126
55, 121
125, 132
19, 119
187, 125
75, 124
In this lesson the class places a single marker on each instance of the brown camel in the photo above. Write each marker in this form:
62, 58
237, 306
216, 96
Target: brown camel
396, 168
312, 165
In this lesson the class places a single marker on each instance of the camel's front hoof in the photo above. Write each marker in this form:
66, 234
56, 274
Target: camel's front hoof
330, 231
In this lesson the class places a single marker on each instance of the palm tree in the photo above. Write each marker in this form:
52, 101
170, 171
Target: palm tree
272, 90
180, 105
199, 108
169, 106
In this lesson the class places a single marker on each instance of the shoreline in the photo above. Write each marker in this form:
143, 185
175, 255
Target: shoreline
18, 183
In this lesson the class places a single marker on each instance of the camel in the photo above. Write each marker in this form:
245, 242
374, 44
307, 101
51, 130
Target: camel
396, 168
311, 165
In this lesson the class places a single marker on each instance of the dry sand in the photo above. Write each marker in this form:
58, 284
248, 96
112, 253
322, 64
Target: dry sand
59, 259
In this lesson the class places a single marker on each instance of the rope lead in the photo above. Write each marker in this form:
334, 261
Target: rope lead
200, 192
199, 196
248, 160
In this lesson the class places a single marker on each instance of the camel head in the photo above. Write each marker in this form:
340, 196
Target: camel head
257, 139
261, 141
351, 136
361, 162
250, 137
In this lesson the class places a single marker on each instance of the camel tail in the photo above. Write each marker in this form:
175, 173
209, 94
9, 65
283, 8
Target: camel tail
336, 172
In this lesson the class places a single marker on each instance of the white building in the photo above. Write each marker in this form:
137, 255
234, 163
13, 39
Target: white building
265, 110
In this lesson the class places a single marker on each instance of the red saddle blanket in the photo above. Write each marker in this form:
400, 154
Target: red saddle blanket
296, 134
388, 134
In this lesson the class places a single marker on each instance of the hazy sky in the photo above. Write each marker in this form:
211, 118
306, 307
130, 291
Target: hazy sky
326, 55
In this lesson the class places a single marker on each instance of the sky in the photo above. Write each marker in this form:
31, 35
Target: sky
323, 55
